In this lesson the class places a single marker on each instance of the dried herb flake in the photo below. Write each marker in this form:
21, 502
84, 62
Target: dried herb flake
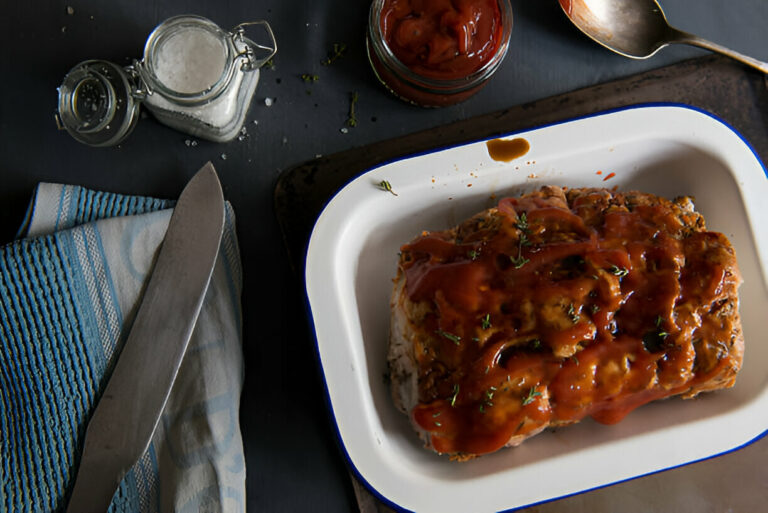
338, 51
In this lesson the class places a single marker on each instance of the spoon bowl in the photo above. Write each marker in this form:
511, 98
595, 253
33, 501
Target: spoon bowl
637, 28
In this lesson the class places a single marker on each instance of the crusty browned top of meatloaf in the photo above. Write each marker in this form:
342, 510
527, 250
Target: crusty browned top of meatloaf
558, 305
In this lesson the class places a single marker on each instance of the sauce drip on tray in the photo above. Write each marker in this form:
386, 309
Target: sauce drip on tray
507, 150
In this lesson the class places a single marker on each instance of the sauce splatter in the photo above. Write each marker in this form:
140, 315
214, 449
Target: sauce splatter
609, 176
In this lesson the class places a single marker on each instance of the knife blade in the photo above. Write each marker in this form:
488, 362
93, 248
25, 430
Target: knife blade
125, 418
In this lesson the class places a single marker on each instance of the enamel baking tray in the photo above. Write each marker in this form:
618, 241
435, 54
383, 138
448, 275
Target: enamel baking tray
668, 150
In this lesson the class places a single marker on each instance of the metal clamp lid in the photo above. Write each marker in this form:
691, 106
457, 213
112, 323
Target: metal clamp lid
247, 47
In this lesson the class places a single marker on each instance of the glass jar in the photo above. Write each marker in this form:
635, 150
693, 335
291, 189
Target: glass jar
194, 77
404, 48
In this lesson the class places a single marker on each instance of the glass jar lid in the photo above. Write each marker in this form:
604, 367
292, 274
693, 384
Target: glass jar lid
96, 105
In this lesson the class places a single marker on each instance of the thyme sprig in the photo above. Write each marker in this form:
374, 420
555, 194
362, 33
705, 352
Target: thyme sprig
522, 225
385, 185
488, 400
338, 51
532, 395
352, 118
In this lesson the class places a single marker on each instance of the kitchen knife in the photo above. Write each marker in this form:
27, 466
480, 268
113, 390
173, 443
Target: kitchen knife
125, 417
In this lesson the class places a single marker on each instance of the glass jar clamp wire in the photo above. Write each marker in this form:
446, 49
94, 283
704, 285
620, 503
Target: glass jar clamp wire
194, 77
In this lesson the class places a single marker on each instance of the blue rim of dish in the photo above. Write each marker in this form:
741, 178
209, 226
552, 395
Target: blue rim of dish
340, 441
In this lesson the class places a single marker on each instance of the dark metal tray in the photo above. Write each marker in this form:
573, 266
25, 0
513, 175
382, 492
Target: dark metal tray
734, 93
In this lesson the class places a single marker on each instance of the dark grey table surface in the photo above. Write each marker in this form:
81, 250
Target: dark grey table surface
293, 462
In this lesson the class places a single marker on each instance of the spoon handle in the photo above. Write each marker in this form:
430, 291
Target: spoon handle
678, 36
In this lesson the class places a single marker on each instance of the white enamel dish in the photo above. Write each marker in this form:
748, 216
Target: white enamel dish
668, 150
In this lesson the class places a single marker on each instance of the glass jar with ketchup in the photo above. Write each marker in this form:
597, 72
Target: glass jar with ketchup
437, 52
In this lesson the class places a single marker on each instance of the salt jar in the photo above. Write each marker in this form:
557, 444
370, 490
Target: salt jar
194, 77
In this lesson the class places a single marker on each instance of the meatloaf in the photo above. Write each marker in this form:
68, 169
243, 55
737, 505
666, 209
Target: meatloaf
558, 305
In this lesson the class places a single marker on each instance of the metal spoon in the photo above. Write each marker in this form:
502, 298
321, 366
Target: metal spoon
637, 28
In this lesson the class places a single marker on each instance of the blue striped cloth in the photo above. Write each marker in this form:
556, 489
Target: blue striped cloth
69, 288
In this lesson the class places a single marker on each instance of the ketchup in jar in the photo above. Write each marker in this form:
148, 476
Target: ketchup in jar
437, 52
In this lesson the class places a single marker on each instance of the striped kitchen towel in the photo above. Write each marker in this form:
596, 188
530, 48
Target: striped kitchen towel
69, 288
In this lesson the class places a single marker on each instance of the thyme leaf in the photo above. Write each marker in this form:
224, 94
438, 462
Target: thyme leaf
450, 336
656, 340
455, 394
522, 222
618, 271
572, 314
519, 261
532, 394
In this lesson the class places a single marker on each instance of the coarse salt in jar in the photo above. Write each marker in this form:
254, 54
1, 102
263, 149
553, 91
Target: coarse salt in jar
435, 53
194, 77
